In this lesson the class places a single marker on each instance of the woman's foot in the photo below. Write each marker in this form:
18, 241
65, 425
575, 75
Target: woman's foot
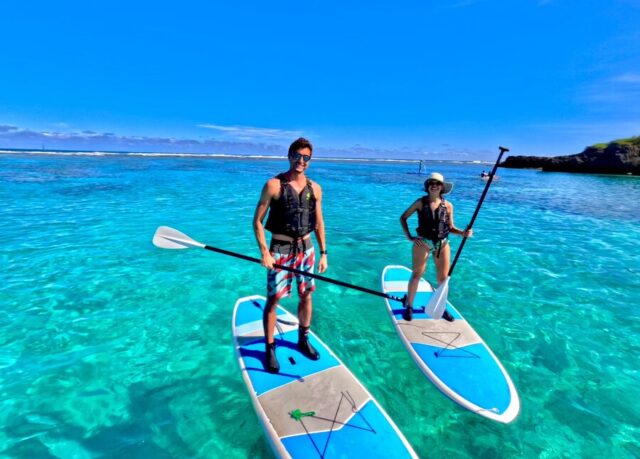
407, 314
447, 316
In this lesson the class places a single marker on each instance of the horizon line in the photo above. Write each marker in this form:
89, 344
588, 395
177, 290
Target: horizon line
66, 152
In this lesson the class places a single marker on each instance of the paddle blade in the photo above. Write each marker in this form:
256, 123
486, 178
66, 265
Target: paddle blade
169, 238
438, 301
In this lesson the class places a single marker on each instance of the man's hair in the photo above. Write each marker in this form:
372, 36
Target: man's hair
299, 144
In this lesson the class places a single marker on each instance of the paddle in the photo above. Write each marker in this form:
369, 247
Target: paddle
438, 300
169, 238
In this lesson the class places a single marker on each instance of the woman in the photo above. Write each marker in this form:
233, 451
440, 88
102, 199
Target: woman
435, 223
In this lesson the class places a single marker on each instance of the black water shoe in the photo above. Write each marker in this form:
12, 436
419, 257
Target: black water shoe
270, 361
305, 347
447, 316
407, 314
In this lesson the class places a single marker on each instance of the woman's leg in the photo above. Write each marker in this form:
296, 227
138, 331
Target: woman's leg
442, 271
442, 263
420, 255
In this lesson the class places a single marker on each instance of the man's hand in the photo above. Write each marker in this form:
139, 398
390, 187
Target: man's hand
268, 260
323, 265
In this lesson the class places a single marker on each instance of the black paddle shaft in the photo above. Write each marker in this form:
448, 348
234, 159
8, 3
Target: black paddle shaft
475, 214
303, 273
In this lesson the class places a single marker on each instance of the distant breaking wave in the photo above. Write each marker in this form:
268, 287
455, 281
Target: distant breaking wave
110, 153
218, 156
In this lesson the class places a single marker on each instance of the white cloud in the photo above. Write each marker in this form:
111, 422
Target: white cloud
463, 3
627, 78
605, 130
251, 132
620, 93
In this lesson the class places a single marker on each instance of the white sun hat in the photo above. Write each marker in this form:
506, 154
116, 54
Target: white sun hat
448, 186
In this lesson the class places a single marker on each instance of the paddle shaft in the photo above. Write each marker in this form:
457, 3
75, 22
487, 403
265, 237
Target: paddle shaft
475, 214
306, 274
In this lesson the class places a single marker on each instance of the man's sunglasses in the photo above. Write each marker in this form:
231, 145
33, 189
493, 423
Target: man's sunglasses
296, 157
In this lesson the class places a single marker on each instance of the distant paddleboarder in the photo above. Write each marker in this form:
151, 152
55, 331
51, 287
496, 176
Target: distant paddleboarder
435, 223
294, 203
486, 176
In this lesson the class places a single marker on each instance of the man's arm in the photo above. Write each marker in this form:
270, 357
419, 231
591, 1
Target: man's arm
269, 190
320, 235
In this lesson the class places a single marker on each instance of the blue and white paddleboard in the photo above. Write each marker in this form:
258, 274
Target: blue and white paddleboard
310, 408
451, 354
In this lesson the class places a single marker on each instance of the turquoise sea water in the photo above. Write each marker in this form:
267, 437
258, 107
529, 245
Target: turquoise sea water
110, 347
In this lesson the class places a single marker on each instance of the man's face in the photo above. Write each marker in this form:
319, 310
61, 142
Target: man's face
299, 160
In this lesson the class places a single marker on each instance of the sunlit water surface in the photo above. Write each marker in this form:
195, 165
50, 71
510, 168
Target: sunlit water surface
111, 347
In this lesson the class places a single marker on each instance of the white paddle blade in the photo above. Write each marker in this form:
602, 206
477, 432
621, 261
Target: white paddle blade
169, 238
438, 301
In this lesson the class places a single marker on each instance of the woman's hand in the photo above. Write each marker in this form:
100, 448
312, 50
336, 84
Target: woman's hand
418, 242
467, 233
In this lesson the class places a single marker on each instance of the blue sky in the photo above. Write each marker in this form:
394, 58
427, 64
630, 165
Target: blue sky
423, 80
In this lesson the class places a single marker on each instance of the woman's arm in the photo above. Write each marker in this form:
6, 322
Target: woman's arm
452, 226
416, 206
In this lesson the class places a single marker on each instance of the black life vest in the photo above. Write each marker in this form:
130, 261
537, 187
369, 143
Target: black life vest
433, 225
292, 214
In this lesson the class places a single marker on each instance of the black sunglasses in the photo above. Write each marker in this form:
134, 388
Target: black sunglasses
296, 157
433, 182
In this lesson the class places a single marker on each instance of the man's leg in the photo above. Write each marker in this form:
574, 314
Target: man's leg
278, 286
269, 323
305, 310
306, 286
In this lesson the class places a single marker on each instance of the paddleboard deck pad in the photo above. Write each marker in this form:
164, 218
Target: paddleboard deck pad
451, 354
310, 408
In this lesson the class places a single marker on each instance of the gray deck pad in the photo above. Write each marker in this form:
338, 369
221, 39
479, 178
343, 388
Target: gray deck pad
333, 394
440, 333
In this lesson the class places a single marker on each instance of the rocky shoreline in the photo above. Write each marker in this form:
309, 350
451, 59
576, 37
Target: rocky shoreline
617, 157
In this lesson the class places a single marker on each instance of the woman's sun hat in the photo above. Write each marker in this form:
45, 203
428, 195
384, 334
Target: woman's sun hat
448, 186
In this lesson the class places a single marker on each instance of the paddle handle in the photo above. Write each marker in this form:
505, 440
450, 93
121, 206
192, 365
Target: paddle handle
306, 274
475, 214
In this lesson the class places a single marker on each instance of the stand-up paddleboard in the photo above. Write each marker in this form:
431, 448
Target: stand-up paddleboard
310, 408
451, 354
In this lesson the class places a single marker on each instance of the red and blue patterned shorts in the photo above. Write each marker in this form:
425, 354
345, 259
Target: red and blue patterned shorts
297, 254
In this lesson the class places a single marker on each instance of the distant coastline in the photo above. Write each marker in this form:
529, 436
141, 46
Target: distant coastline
30, 151
619, 157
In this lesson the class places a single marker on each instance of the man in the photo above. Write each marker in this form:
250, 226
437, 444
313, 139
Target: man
295, 211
